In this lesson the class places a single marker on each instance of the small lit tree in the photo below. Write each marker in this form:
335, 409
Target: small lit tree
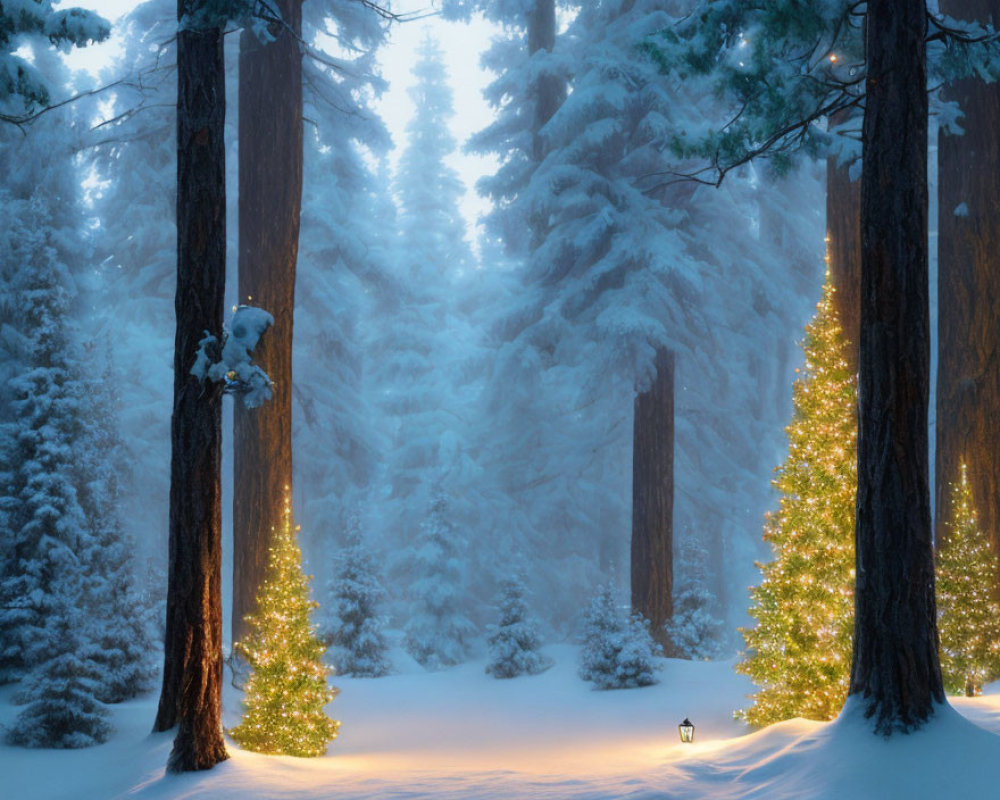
799, 654
968, 613
287, 691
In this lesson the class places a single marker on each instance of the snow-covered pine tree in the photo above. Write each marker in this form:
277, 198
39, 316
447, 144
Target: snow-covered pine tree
696, 629
968, 613
617, 650
119, 640
346, 251
24, 86
358, 644
514, 640
46, 524
438, 633
62, 708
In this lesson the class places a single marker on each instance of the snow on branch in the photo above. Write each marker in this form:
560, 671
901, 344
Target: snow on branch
230, 364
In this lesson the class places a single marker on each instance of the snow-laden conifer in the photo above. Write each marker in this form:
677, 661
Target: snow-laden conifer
358, 643
438, 632
514, 640
62, 709
617, 651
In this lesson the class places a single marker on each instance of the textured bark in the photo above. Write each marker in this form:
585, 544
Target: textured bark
653, 500
191, 698
843, 227
968, 378
270, 175
895, 670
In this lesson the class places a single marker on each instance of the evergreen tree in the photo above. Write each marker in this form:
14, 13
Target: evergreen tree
617, 652
968, 613
359, 646
514, 640
62, 709
696, 629
120, 641
47, 528
23, 87
287, 691
799, 653
438, 633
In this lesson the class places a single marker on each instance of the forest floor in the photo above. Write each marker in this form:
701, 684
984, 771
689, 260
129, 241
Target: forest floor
462, 735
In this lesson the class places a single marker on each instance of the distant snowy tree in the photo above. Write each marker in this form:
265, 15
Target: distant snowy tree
617, 651
62, 709
119, 642
346, 253
438, 633
358, 644
514, 640
530, 85
697, 629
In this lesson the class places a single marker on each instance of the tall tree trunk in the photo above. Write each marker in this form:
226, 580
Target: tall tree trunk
191, 698
270, 175
550, 91
895, 670
653, 500
968, 378
843, 228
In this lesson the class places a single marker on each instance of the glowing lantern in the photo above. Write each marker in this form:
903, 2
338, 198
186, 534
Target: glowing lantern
687, 731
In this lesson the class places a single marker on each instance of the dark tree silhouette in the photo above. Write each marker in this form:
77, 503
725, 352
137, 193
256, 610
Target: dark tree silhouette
192, 676
895, 671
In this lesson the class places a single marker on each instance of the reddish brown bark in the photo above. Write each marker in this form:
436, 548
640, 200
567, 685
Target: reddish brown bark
653, 500
843, 227
270, 180
191, 697
968, 378
895, 671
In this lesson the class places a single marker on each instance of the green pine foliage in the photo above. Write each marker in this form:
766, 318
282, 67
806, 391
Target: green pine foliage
968, 613
617, 652
286, 695
799, 653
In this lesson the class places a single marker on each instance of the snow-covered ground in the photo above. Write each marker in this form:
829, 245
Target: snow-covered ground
462, 734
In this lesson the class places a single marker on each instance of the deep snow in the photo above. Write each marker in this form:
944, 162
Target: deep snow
459, 733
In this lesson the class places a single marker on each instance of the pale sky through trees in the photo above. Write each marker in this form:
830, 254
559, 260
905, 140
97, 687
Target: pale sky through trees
462, 44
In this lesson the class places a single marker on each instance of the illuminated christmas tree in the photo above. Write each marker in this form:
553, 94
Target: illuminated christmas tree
968, 613
287, 691
799, 654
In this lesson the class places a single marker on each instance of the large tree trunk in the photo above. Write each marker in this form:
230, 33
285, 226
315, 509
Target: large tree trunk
895, 671
968, 379
843, 228
191, 698
653, 500
270, 175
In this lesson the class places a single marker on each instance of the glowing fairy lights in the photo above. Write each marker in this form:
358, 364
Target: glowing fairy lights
968, 613
799, 653
287, 690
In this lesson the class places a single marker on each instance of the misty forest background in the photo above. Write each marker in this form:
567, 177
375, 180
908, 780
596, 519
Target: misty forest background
487, 373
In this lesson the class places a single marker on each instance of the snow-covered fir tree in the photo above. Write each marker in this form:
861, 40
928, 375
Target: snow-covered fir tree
514, 640
63, 710
119, 642
438, 634
358, 644
617, 650
697, 629
345, 253
46, 525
